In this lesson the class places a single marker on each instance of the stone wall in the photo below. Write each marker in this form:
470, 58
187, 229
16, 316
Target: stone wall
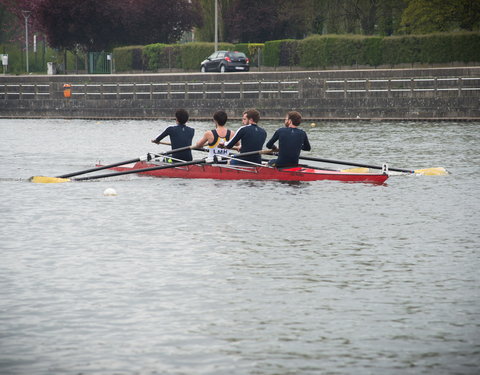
413, 94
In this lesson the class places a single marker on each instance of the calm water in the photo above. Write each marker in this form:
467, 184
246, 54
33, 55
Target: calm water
224, 277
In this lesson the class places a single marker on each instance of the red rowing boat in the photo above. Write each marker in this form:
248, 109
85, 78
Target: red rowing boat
230, 172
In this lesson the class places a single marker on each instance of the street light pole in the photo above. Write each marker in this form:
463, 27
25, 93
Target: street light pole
26, 15
216, 25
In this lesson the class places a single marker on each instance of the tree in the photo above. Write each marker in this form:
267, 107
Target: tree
426, 16
158, 21
89, 25
95, 25
206, 33
253, 21
13, 22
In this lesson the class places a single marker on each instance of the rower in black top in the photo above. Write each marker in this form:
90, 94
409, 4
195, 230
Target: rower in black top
180, 134
252, 138
291, 141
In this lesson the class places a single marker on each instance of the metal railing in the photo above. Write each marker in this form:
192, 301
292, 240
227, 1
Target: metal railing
415, 87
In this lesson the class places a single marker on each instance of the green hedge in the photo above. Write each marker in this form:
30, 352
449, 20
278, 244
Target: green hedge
129, 58
339, 50
179, 56
317, 51
432, 48
252, 50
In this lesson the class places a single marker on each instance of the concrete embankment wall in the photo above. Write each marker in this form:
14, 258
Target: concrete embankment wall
412, 94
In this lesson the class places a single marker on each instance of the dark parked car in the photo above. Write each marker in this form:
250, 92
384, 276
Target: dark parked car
224, 61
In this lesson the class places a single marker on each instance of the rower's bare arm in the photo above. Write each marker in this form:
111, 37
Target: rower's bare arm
203, 140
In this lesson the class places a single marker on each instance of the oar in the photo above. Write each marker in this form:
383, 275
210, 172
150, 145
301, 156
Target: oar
173, 165
437, 171
64, 177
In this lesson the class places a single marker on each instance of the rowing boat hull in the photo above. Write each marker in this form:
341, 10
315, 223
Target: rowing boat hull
225, 172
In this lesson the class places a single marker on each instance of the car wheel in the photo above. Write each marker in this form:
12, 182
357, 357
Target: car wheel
222, 69
202, 69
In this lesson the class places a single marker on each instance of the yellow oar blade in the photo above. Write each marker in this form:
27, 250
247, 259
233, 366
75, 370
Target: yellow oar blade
356, 170
48, 180
437, 171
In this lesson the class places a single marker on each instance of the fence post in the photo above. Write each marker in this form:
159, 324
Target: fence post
460, 86
241, 89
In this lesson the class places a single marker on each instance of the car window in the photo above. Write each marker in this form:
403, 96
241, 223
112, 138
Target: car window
221, 55
213, 55
237, 55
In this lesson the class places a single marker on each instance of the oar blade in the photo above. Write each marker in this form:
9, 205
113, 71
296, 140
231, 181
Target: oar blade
48, 180
356, 170
437, 171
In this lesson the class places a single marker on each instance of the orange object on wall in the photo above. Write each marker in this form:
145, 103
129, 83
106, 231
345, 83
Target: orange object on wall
67, 90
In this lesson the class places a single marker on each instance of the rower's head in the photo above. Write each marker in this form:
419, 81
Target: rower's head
181, 116
220, 118
293, 118
244, 118
253, 116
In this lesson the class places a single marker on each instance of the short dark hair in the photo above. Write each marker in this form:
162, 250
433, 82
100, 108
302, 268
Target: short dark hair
182, 116
220, 117
253, 114
295, 117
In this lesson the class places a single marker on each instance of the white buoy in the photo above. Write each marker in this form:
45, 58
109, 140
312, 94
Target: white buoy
109, 192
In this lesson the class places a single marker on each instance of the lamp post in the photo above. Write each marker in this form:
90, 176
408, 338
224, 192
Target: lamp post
26, 15
216, 25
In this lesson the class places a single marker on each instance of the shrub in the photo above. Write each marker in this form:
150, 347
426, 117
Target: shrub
129, 58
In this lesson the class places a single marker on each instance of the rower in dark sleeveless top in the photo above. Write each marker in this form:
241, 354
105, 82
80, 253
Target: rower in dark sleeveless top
217, 137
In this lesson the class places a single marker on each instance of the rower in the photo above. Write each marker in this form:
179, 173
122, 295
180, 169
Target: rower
291, 141
180, 134
216, 138
252, 138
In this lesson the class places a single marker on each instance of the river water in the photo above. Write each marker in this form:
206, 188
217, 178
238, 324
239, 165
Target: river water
176, 276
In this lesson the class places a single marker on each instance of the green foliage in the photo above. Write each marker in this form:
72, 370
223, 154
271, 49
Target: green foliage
129, 58
37, 62
427, 16
160, 56
347, 50
339, 50
271, 53
157, 56
465, 47
432, 48
192, 54
252, 50
317, 51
